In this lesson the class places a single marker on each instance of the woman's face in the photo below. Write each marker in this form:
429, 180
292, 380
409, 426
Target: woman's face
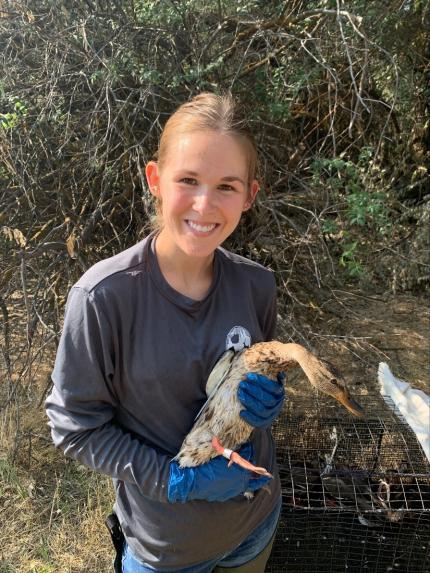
203, 190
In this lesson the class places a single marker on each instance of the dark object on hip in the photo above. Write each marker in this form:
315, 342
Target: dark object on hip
118, 539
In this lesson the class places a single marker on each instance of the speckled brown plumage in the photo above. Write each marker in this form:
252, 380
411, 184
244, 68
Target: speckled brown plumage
221, 417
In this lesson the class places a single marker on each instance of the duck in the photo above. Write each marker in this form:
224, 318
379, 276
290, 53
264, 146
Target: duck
218, 427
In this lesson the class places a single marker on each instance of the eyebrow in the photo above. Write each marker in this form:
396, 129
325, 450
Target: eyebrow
229, 178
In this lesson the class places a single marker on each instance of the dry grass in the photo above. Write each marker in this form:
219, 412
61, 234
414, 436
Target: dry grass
51, 509
52, 514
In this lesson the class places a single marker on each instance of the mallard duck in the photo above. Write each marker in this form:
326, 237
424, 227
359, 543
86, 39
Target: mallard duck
219, 429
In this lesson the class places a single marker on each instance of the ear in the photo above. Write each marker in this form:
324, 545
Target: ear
153, 177
255, 188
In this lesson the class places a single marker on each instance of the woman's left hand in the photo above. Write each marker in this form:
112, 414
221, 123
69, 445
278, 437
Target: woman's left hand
262, 398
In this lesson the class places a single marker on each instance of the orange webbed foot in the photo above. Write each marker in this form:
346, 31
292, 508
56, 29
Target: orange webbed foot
235, 458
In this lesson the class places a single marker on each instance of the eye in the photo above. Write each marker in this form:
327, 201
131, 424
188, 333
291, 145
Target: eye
188, 181
226, 187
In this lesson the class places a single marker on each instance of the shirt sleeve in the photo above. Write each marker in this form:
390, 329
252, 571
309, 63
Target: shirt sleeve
81, 407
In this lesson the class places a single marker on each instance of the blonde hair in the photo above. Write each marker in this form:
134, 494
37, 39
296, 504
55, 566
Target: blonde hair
209, 112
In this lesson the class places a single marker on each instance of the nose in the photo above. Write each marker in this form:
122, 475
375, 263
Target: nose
203, 200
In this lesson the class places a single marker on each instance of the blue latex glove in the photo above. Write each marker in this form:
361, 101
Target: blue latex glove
262, 398
214, 480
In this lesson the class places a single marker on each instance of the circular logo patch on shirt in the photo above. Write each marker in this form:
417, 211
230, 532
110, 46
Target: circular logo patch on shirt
238, 338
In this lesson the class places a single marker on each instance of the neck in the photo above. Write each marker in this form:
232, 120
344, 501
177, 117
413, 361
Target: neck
188, 275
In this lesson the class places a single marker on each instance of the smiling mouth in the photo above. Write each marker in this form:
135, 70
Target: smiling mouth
201, 228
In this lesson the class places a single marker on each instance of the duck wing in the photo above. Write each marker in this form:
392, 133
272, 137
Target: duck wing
217, 377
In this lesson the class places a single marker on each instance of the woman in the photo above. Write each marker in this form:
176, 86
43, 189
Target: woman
142, 331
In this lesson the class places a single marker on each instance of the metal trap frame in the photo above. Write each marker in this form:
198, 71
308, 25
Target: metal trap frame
356, 492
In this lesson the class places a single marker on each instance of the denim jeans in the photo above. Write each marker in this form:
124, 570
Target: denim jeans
246, 551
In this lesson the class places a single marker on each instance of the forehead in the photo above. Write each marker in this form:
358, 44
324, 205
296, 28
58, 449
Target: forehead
207, 150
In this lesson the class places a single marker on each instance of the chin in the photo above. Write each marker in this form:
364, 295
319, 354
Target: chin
200, 247
198, 252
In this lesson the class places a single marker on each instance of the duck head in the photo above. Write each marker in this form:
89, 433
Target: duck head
325, 377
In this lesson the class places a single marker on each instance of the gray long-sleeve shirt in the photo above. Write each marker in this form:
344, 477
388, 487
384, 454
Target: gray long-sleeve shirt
129, 379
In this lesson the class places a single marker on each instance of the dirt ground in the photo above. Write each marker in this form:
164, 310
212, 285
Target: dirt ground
359, 331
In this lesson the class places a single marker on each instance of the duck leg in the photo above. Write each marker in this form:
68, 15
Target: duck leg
235, 458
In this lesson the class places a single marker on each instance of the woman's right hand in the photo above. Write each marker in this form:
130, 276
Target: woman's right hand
214, 480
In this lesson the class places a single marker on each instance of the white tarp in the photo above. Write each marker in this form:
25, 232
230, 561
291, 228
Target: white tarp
413, 404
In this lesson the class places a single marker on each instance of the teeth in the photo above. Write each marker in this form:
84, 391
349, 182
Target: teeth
201, 228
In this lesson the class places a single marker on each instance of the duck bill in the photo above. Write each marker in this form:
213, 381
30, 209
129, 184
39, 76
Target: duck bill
350, 404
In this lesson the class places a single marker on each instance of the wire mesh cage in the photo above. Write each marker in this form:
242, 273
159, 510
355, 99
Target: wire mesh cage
356, 492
